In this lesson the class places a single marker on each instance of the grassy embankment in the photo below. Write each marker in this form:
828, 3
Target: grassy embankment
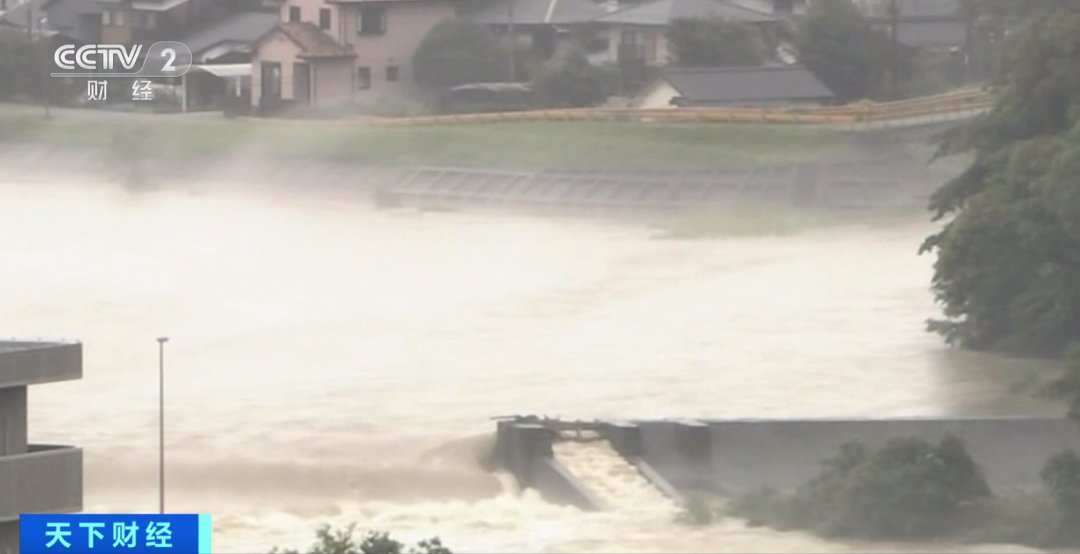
541, 145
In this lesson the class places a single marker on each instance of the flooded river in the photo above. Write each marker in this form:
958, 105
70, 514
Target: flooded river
330, 363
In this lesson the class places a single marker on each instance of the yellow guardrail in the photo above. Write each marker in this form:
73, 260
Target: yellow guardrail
955, 102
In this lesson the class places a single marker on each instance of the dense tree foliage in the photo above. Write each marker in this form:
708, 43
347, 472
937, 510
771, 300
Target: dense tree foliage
1061, 479
23, 65
907, 488
837, 44
1008, 266
569, 80
715, 43
1068, 385
344, 541
459, 51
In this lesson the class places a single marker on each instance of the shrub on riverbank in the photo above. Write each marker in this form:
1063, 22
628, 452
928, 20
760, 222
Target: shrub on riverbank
908, 488
344, 541
912, 489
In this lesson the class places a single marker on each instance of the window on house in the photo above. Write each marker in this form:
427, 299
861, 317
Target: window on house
294, 13
324, 19
371, 20
783, 6
145, 20
113, 18
393, 72
632, 46
363, 78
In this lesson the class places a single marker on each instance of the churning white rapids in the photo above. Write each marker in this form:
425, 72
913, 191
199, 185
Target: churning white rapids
330, 363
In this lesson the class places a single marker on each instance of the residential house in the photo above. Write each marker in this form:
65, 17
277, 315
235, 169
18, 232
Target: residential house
77, 21
142, 21
222, 51
765, 86
935, 24
122, 21
778, 8
299, 64
382, 34
542, 25
34, 478
639, 33
230, 39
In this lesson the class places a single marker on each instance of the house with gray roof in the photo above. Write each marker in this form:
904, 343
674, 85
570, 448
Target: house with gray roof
639, 32
920, 23
229, 39
765, 86
543, 24
77, 21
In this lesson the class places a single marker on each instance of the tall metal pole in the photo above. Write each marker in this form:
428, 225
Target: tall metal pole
46, 83
513, 41
894, 24
161, 423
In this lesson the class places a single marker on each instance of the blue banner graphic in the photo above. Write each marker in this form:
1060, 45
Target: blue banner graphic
114, 534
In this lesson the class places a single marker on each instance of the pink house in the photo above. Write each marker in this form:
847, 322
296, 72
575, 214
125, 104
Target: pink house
380, 37
299, 63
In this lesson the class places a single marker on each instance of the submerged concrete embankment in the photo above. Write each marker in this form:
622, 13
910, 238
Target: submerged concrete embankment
882, 180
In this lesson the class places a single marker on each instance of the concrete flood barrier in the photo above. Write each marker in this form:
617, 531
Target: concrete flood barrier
524, 450
850, 184
683, 456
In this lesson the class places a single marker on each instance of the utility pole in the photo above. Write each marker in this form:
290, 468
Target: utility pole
161, 423
510, 33
46, 83
894, 24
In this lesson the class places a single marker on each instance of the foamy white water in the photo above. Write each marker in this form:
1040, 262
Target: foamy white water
330, 363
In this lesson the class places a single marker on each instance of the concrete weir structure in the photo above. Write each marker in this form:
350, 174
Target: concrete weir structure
735, 456
34, 478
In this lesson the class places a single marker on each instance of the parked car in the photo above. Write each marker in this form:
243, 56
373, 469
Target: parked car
486, 97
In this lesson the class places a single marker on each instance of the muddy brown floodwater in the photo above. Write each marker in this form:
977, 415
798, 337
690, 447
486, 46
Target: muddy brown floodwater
331, 363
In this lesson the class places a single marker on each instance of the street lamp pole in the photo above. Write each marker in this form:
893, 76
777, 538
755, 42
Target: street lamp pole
161, 423
513, 43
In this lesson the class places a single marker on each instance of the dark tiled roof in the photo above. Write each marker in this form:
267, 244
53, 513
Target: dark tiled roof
749, 84
67, 17
312, 41
916, 9
663, 12
538, 12
246, 28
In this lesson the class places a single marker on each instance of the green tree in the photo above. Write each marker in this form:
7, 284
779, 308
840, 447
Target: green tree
1067, 386
570, 80
458, 51
1008, 261
1061, 478
838, 45
699, 42
906, 488
344, 541
23, 65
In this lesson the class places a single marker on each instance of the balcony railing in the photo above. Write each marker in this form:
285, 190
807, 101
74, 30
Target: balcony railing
46, 479
32, 362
